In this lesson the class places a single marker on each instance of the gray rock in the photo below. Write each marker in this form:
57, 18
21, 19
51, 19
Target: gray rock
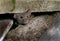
35, 6
52, 34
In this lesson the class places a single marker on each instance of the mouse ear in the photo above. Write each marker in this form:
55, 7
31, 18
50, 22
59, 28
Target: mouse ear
28, 12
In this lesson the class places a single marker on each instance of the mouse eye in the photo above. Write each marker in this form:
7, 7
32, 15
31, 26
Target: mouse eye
21, 17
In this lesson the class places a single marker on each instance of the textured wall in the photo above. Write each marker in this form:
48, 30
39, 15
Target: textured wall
34, 5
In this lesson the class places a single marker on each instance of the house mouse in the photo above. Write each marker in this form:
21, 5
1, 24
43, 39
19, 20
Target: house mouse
23, 18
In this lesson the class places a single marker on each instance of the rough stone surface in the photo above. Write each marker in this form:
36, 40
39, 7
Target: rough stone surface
34, 5
5, 6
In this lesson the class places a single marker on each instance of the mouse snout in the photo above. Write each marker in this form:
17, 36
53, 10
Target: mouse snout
26, 21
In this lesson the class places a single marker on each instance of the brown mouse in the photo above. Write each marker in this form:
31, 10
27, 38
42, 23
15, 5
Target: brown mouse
23, 18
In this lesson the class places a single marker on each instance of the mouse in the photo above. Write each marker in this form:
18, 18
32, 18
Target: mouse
23, 18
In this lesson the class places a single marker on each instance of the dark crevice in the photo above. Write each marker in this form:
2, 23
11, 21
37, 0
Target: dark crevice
42, 13
10, 16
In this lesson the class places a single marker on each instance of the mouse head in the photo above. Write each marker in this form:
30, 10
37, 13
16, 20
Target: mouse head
22, 18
